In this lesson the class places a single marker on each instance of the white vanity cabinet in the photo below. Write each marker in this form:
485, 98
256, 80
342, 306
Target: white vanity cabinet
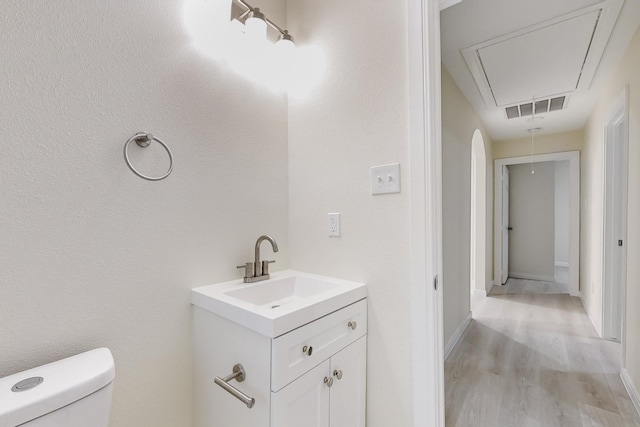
330, 395
311, 376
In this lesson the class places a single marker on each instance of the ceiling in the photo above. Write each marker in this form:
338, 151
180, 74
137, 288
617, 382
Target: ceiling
508, 56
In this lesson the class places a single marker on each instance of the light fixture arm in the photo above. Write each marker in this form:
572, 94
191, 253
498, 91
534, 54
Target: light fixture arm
267, 20
245, 13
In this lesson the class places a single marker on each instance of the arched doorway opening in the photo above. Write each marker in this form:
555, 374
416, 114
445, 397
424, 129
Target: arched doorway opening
478, 214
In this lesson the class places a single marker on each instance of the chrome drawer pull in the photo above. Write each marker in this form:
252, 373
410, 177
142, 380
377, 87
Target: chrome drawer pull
338, 374
308, 350
353, 325
239, 375
328, 381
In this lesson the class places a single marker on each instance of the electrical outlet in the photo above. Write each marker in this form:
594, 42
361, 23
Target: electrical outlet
333, 222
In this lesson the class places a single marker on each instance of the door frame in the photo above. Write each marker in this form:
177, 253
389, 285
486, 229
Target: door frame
425, 147
574, 211
618, 115
504, 228
478, 259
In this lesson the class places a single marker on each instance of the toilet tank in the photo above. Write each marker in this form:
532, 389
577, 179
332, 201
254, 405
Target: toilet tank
73, 392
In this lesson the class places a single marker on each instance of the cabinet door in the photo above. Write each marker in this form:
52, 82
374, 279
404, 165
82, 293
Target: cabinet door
304, 402
348, 394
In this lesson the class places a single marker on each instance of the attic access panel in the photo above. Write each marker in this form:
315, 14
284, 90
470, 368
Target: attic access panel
546, 61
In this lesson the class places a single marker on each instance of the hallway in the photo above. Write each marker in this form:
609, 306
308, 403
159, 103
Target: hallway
534, 359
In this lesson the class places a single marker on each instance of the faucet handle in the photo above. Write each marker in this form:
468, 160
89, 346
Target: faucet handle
265, 267
248, 269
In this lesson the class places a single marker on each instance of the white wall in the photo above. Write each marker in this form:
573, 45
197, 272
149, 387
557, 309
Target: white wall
93, 255
592, 197
531, 215
459, 123
561, 207
456, 234
357, 117
544, 144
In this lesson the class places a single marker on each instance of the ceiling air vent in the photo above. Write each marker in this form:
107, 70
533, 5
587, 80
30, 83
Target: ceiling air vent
557, 103
541, 106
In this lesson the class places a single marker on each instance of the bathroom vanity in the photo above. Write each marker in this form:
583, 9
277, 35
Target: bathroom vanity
300, 341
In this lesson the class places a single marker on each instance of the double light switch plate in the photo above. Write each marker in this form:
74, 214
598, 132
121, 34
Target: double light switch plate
385, 179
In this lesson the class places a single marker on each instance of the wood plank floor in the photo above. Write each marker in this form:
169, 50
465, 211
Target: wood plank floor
534, 359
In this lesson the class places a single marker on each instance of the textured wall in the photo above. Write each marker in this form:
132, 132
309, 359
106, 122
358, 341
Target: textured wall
543, 144
92, 255
357, 117
459, 122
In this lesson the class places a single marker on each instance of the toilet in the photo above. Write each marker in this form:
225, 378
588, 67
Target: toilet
72, 392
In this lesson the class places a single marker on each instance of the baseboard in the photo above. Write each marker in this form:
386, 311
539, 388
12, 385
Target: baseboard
631, 389
447, 3
576, 294
480, 292
456, 336
483, 292
527, 276
562, 264
586, 309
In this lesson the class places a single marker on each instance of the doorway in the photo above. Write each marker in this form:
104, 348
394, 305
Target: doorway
478, 214
504, 218
615, 221
501, 249
531, 222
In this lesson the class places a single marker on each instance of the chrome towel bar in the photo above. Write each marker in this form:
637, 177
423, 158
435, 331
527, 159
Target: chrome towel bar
239, 375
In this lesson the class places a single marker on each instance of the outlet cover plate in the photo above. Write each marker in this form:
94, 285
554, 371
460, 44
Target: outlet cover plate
333, 223
385, 179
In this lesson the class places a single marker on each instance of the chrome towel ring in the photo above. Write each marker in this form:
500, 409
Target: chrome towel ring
143, 140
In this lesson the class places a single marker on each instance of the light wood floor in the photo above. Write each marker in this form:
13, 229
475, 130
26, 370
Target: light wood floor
523, 286
533, 359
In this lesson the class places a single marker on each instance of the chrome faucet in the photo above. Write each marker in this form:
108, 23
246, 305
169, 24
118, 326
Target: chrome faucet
258, 270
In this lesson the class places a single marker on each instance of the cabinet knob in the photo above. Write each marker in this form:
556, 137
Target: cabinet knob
353, 325
338, 374
328, 381
307, 349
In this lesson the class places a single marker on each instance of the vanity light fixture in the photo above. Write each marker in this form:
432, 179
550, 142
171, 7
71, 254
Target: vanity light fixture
256, 23
285, 39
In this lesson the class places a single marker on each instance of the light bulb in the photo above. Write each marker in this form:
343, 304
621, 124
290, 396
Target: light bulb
255, 25
285, 45
285, 42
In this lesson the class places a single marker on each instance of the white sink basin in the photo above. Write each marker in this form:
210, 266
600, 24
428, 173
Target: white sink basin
280, 291
288, 300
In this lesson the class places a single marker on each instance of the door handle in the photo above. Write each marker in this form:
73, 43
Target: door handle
509, 228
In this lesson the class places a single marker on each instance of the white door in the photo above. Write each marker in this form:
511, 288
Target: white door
505, 224
348, 393
304, 402
614, 228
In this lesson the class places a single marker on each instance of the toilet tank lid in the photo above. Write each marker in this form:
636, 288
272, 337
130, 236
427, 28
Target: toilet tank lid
65, 381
